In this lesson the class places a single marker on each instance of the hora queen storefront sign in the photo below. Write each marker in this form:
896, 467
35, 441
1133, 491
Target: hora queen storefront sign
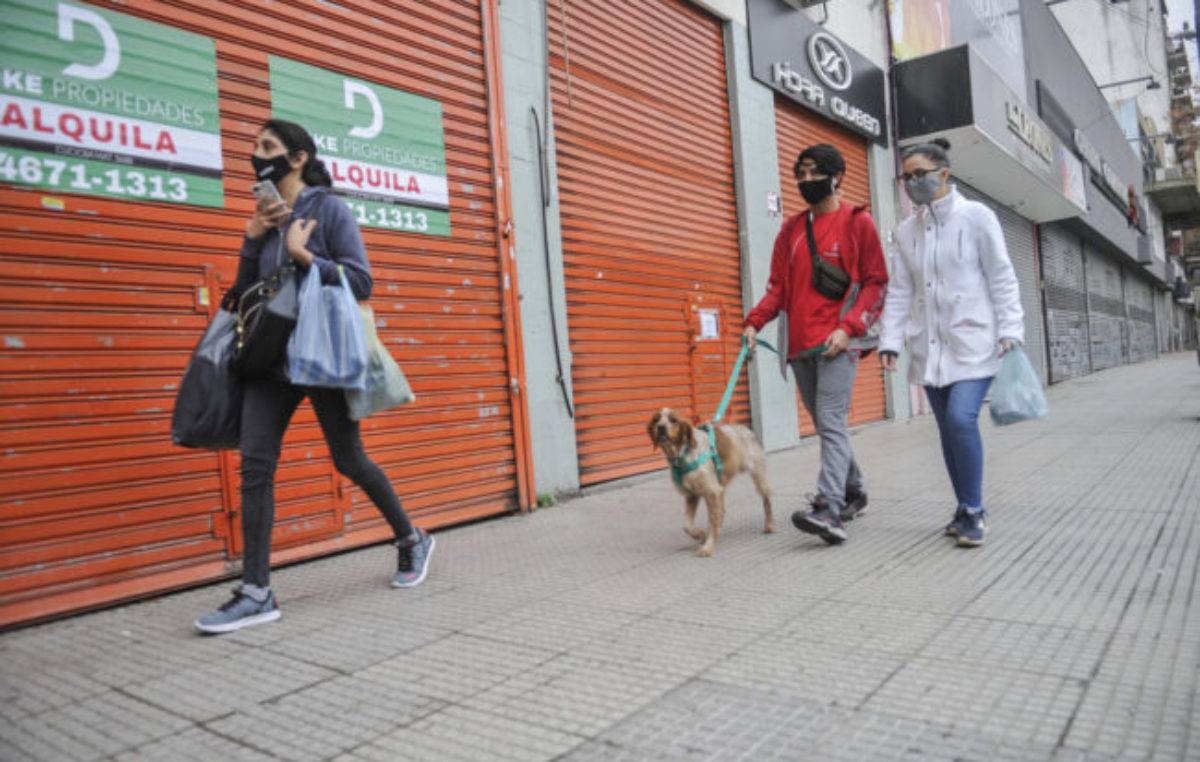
795, 56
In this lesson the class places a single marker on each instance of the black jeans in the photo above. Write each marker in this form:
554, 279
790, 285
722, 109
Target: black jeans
267, 407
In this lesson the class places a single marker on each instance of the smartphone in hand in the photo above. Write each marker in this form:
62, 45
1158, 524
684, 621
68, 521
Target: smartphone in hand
265, 191
266, 195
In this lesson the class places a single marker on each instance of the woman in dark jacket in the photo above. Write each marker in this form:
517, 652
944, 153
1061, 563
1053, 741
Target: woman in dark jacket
315, 232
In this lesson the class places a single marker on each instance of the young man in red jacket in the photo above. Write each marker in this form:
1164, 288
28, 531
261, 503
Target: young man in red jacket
824, 315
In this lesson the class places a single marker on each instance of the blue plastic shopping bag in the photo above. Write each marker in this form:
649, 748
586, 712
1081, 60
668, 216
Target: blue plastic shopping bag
328, 346
1017, 391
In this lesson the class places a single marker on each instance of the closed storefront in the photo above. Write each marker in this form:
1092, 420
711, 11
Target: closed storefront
1020, 237
1067, 325
115, 269
1163, 309
797, 128
649, 222
1108, 327
1184, 328
1139, 303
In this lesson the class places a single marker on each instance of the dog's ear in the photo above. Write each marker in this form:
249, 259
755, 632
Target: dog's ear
650, 431
684, 437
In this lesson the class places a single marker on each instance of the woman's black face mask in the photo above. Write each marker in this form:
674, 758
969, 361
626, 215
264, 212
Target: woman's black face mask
274, 169
816, 191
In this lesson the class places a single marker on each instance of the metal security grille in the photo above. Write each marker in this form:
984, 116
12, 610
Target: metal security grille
1143, 334
649, 222
796, 129
1106, 304
1162, 319
1066, 303
104, 300
1019, 235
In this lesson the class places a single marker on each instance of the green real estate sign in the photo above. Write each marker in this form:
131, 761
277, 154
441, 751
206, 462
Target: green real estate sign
384, 148
97, 102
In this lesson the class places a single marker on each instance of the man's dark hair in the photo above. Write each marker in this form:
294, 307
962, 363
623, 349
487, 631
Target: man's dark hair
827, 158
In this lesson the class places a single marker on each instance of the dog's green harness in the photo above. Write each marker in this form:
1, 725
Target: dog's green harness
681, 466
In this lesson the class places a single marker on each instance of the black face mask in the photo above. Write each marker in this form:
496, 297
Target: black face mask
816, 191
273, 169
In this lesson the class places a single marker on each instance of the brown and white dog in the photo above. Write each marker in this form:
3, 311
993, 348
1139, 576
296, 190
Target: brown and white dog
739, 451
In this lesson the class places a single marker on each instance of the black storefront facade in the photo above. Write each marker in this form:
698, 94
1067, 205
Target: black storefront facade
1033, 137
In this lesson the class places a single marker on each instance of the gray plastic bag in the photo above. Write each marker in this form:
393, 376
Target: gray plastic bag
386, 385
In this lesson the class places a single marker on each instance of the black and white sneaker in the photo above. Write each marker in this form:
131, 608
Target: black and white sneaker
822, 521
856, 504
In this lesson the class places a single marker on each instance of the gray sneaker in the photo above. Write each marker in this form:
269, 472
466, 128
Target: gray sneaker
240, 611
413, 562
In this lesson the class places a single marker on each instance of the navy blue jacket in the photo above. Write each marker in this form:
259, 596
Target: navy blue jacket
335, 241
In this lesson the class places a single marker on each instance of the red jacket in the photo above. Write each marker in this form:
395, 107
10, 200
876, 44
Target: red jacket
847, 238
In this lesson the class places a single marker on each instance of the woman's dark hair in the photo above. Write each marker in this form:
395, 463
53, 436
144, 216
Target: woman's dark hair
296, 138
935, 150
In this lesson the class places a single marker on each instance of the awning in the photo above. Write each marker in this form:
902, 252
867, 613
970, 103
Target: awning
998, 144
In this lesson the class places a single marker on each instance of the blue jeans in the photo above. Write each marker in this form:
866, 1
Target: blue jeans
956, 408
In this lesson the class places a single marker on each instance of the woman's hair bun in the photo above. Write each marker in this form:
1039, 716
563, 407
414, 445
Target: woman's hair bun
941, 143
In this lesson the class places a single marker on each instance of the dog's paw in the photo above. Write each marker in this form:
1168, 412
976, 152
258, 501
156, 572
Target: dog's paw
699, 535
769, 528
705, 551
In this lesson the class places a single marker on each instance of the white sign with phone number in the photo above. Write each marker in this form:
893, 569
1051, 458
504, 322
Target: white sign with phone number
392, 217
91, 177
103, 103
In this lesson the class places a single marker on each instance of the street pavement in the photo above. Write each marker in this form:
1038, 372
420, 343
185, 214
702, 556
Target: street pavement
591, 631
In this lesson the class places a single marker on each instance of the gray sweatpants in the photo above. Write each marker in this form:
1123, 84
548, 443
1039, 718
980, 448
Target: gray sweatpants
825, 387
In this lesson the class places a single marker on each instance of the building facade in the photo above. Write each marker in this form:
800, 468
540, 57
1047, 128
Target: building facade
126, 137
1047, 151
569, 206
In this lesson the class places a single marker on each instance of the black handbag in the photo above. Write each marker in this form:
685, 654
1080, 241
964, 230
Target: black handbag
265, 316
830, 281
266, 312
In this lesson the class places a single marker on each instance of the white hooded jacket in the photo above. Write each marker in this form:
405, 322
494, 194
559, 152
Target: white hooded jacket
953, 293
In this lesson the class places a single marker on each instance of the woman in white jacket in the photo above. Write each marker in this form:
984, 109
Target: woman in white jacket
953, 300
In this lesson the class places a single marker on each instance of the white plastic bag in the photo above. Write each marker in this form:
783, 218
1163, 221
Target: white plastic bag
1017, 392
386, 386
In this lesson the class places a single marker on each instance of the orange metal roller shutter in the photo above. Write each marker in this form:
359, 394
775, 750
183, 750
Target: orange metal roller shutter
648, 218
101, 307
796, 128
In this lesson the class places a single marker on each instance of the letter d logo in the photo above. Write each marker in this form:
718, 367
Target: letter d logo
376, 126
67, 16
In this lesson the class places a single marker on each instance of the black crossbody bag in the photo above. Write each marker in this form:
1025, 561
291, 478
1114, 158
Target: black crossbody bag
830, 281
266, 312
